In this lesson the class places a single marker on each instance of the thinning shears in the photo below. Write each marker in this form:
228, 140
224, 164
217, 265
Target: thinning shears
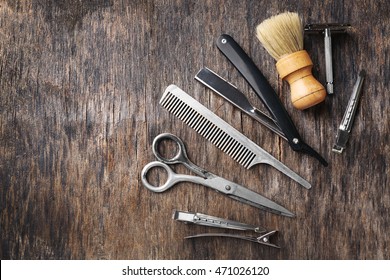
205, 178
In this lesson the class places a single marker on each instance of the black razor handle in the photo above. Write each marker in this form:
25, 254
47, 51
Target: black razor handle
247, 68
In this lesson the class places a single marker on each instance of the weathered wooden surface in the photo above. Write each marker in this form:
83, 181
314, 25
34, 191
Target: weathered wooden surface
80, 83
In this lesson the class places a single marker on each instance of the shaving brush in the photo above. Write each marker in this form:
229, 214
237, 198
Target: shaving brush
282, 37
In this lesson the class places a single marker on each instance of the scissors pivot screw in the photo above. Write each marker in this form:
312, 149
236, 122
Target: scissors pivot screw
228, 188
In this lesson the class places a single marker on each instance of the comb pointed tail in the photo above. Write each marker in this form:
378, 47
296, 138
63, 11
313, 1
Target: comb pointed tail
282, 168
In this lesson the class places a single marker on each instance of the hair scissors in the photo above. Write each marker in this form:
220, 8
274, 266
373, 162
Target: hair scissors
205, 178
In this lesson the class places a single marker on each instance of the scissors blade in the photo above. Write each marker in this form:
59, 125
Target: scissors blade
259, 201
247, 196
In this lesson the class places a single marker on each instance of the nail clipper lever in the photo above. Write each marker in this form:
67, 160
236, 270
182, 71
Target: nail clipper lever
347, 122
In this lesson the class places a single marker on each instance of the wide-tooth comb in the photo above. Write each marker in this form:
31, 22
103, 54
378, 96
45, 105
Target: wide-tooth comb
220, 133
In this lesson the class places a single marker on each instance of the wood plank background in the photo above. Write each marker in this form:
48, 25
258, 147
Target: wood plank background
80, 83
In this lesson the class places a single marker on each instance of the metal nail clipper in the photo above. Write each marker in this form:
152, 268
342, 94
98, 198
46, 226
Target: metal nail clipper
211, 221
349, 115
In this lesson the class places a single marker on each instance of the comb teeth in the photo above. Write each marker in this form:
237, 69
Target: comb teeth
208, 129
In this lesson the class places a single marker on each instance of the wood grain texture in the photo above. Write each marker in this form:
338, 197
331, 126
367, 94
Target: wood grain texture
80, 83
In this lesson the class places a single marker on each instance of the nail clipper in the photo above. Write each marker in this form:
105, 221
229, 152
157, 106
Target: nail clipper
346, 124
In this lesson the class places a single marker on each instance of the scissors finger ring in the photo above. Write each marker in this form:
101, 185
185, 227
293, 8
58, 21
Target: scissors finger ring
168, 184
181, 155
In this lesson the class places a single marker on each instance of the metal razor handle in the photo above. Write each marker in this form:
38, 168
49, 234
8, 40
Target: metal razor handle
328, 61
328, 29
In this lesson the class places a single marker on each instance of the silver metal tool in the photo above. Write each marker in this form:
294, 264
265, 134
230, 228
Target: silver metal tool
211, 221
230, 92
263, 239
349, 115
220, 133
205, 178
328, 29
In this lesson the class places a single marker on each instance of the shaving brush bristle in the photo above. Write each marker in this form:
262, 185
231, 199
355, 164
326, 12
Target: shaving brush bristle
282, 37
281, 34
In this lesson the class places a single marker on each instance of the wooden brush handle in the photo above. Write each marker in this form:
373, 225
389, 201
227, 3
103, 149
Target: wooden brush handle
296, 68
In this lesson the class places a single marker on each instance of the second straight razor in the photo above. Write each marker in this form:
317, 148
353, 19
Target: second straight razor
236, 97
